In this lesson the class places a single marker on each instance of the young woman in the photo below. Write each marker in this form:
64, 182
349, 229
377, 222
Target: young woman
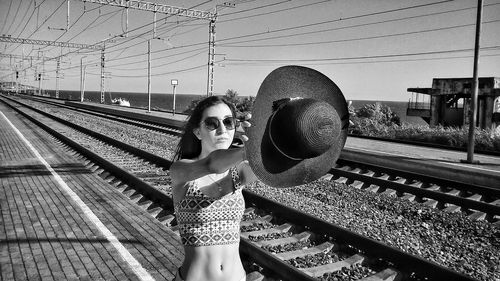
207, 177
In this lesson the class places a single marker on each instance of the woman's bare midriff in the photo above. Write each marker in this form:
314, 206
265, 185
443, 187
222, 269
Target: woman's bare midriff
213, 263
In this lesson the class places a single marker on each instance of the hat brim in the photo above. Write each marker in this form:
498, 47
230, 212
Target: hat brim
292, 82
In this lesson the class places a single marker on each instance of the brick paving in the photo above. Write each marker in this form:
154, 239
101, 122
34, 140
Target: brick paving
45, 235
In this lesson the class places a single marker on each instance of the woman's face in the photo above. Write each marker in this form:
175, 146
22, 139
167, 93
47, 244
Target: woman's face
220, 138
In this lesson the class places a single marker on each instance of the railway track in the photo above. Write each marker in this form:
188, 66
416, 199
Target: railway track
171, 130
477, 202
268, 226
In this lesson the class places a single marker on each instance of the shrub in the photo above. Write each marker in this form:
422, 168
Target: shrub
243, 106
380, 113
376, 120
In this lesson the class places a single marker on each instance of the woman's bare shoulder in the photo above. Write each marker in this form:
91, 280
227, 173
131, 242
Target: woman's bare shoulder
246, 174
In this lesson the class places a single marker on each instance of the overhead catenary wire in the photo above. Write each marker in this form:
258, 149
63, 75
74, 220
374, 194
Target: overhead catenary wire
356, 39
30, 17
52, 14
350, 62
6, 15
296, 34
15, 16
363, 57
23, 17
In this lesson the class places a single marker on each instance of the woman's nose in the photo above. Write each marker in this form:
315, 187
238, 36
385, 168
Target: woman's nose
221, 129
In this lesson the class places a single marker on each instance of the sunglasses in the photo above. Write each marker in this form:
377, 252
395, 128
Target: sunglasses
212, 123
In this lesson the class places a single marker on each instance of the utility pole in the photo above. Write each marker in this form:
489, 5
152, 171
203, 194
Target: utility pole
174, 83
102, 75
42, 75
149, 75
82, 79
211, 49
475, 85
211, 56
58, 66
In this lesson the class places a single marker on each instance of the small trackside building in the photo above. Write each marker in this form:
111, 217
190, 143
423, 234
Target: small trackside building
447, 103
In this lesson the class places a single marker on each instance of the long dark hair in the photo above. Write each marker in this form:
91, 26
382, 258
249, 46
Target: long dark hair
189, 145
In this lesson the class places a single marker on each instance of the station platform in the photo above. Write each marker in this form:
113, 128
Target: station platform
60, 221
160, 117
435, 162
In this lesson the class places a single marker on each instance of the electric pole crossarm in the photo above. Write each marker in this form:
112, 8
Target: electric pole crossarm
48, 43
155, 7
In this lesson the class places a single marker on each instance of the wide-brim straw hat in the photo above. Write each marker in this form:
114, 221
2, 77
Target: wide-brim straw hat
299, 127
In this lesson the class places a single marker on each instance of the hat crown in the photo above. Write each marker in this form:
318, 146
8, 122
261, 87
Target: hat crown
304, 128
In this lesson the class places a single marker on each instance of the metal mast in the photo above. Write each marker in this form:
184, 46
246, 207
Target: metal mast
211, 56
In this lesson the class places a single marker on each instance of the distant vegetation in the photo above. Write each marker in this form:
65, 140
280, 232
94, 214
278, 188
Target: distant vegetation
378, 120
243, 105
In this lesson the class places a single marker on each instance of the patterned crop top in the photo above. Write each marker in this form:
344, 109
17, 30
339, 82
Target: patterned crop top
205, 221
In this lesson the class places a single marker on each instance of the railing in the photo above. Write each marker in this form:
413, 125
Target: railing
419, 105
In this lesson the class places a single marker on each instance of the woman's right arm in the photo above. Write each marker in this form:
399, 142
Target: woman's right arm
216, 162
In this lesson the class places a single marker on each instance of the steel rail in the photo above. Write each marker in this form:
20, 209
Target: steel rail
422, 192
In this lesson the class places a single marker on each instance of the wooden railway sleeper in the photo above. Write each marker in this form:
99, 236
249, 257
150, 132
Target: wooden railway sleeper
320, 270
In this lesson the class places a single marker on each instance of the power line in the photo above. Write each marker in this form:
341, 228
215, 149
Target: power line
336, 20
15, 16
42, 22
164, 73
271, 12
302, 26
31, 16
355, 39
361, 62
7, 15
22, 19
352, 26
161, 65
362, 57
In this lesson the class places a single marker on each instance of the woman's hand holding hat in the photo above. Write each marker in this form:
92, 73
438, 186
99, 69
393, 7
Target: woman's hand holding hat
240, 131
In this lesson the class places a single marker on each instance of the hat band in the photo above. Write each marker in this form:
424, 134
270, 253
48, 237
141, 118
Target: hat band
272, 141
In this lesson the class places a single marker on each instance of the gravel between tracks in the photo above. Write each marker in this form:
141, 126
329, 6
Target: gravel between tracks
450, 239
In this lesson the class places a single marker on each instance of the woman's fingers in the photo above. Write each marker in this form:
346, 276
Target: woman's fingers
246, 124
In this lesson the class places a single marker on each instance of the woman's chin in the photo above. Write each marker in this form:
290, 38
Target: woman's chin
222, 145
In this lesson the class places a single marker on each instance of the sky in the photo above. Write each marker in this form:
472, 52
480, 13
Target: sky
372, 49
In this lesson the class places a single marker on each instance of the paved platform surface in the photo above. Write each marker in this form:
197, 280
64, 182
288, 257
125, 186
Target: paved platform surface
430, 161
60, 221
